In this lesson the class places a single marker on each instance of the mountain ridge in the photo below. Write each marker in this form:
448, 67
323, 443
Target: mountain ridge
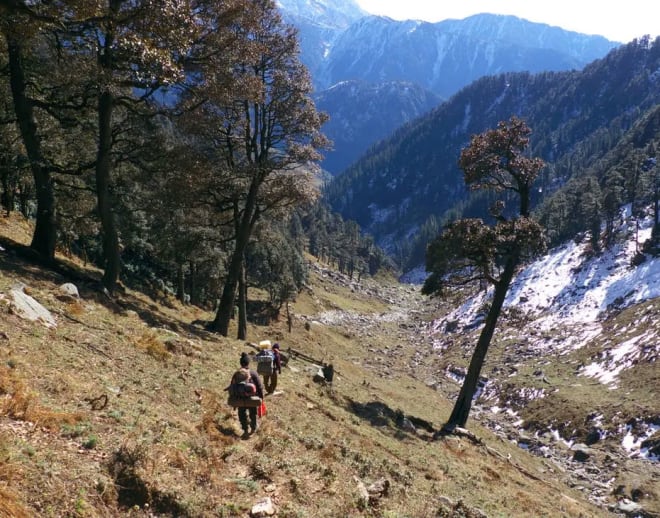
343, 43
576, 118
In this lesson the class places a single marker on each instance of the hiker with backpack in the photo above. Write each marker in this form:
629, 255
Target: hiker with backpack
246, 392
269, 364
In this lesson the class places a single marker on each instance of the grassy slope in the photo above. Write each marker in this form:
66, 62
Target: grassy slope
166, 438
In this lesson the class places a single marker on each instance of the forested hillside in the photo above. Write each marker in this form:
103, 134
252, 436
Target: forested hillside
175, 147
411, 183
363, 113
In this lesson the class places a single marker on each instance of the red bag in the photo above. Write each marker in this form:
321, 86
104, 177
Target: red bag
261, 410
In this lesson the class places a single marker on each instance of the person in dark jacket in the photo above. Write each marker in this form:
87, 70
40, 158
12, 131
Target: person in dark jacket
270, 380
251, 412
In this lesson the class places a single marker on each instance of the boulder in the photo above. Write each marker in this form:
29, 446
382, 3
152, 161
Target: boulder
581, 452
628, 507
26, 307
68, 292
593, 436
262, 508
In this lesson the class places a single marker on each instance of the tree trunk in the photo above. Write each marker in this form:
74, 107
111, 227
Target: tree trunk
180, 284
194, 299
8, 191
110, 240
289, 317
44, 237
463, 404
243, 232
242, 304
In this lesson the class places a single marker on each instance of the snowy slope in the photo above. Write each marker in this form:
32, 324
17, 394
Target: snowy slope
568, 301
568, 288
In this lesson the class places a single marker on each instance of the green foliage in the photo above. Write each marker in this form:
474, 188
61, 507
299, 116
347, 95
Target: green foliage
627, 174
341, 243
275, 264
91, 442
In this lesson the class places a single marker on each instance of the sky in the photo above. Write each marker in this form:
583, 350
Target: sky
621, 20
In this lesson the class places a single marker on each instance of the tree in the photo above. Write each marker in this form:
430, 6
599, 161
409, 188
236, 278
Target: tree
138, 49
470, 250
19, 25
612, 201
590, 210
266, 135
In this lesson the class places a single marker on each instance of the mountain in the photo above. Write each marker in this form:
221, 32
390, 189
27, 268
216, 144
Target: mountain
445, 56
319, 23
337, 14
340, 43
364, 113
576, 118
573, 370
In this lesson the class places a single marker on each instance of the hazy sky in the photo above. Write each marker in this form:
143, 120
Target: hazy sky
617, 20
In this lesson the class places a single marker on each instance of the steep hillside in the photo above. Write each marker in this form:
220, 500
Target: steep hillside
116, 408
576, 118
364, 113
319, 23
574, 368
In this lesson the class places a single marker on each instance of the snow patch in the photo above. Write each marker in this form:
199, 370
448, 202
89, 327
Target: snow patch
632, 441
616, 360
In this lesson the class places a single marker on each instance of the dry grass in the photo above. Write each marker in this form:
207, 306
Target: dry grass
101, 417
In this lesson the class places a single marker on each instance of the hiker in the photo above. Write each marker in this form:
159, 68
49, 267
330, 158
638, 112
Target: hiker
269, 364
246, 404
270, 380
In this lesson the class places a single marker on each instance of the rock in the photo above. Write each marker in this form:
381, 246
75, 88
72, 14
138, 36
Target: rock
593, 436
363, 497
24, 306
652, 444
378, 489
407, 425
68, 292
263, 507
581, 452
451, 326
628, 506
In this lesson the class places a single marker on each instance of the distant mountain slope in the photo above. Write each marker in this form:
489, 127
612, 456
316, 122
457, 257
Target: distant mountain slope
521, 32
363, 113
324, 13
576, 117
319, 23
443, 57
339, 43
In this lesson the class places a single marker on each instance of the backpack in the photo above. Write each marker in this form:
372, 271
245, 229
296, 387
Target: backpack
241, 385
265, 362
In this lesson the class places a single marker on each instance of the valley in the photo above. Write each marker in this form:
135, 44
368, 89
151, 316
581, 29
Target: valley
164, 442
